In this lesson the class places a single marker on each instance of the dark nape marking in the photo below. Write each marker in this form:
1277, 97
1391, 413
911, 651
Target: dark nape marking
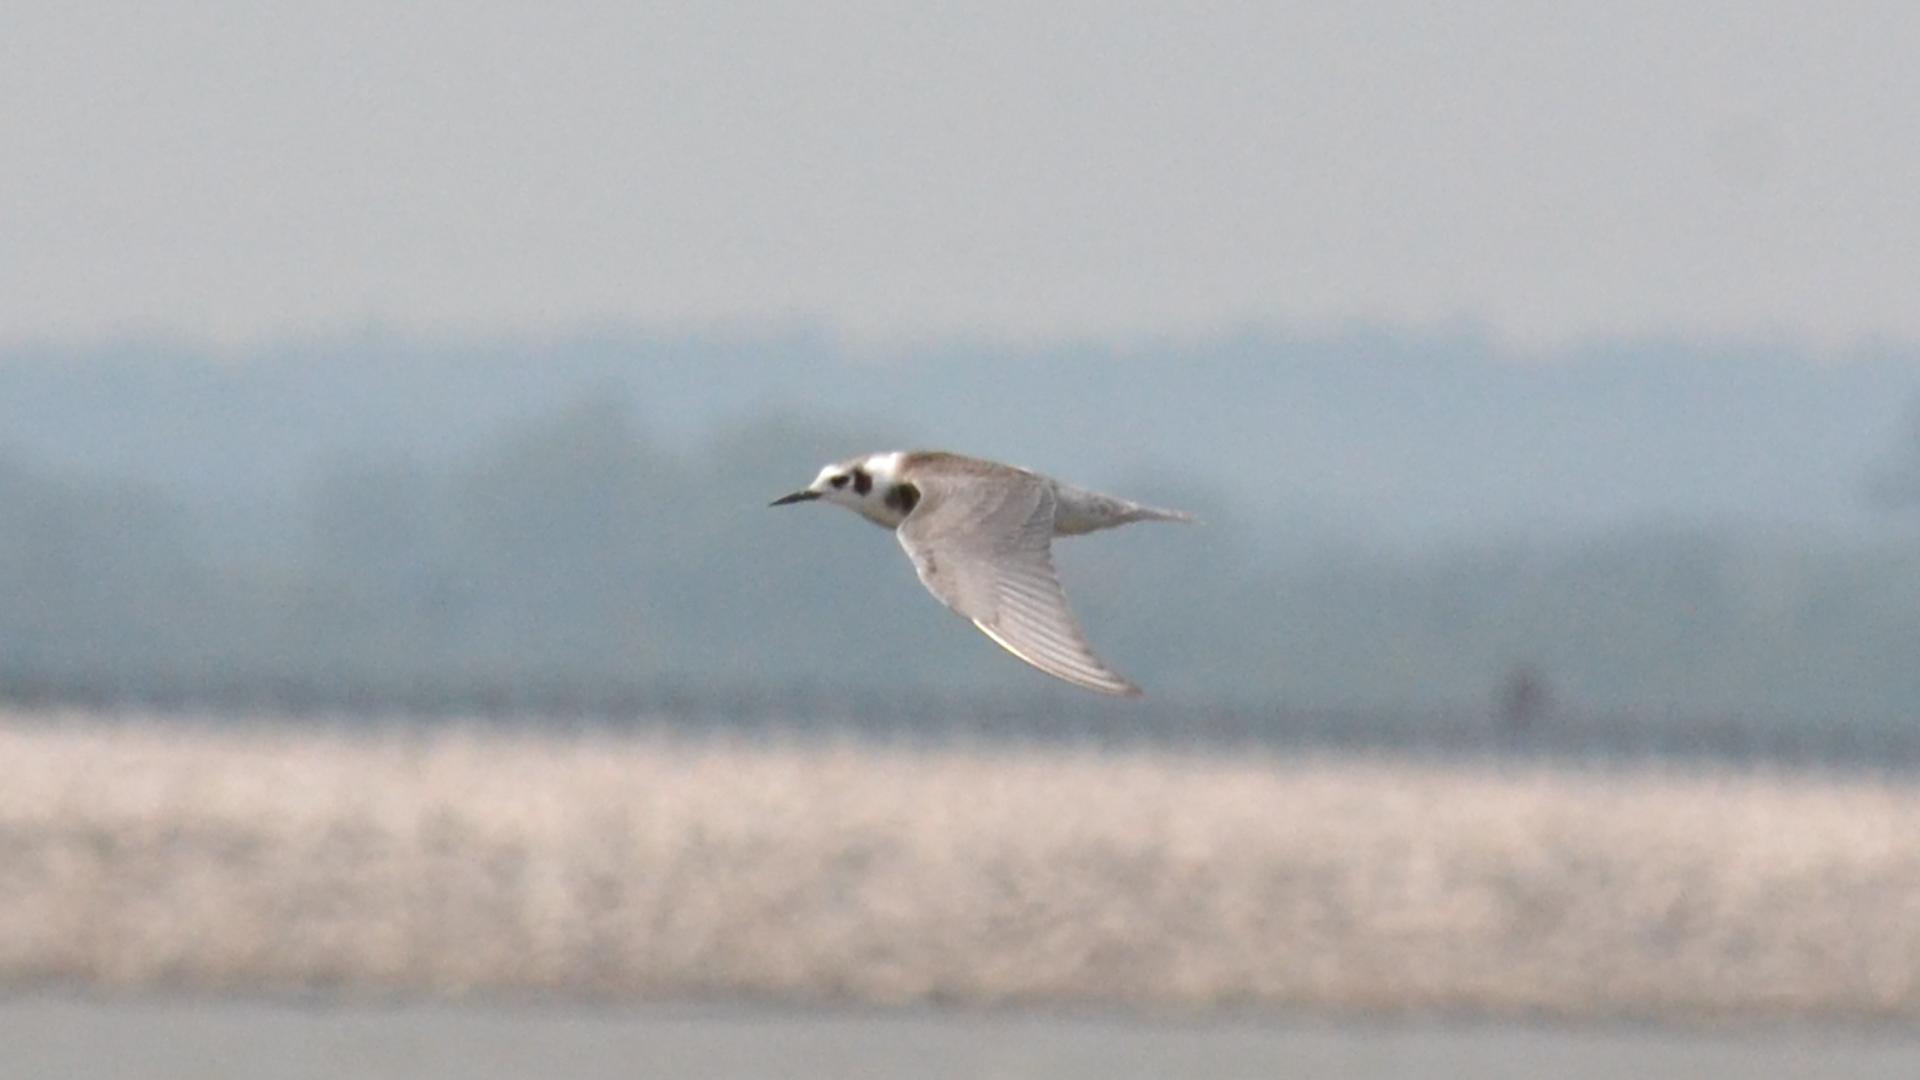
862, 482
903, 497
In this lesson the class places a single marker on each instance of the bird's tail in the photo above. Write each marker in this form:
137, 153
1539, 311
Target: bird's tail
1142, 512
1082, 511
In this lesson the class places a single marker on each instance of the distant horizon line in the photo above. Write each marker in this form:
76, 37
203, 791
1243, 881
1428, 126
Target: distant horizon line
1468, 334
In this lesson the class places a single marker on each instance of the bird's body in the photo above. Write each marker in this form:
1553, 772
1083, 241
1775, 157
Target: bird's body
980, 536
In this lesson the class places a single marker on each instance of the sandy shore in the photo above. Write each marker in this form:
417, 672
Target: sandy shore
601, 867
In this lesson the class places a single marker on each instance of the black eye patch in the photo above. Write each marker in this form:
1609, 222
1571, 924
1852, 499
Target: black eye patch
838, 481
862, 482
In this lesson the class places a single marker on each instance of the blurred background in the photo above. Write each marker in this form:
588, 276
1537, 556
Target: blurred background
1548, 382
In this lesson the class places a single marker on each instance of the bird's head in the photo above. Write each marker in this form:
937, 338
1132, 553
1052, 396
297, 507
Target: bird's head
869, 486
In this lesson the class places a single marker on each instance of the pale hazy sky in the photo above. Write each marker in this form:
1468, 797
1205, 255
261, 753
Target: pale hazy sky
244, 170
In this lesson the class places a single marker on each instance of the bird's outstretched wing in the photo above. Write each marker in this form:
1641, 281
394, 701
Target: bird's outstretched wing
983, 546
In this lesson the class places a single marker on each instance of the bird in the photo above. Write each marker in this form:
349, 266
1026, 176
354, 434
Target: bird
980, 535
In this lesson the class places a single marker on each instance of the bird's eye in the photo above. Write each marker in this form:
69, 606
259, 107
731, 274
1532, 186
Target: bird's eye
839, 481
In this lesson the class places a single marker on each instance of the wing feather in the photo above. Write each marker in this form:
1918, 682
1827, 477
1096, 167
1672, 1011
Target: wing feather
982, 544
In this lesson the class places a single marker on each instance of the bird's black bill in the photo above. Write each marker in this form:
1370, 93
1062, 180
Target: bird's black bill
798, 496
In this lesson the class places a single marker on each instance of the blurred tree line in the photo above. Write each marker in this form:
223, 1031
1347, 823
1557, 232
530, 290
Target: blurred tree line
573, 556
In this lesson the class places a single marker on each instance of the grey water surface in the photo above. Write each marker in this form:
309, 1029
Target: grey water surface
207, 1039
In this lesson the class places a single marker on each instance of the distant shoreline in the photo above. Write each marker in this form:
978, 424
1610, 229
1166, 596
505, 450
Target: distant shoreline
1059, 718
